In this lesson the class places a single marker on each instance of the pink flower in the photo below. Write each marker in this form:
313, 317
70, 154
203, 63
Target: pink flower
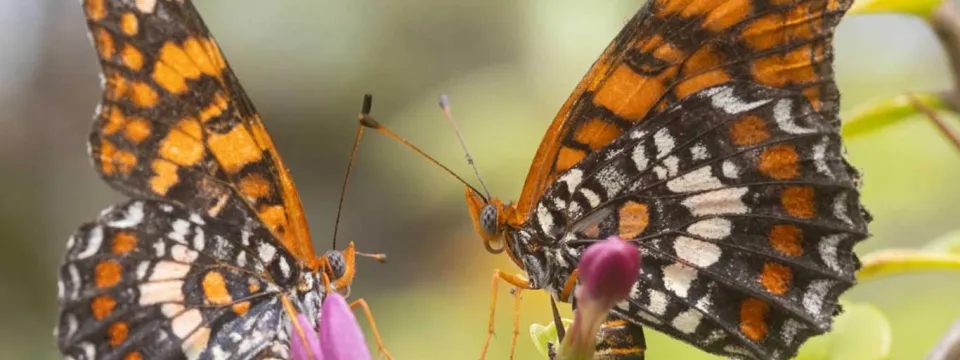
608, 271
340, 336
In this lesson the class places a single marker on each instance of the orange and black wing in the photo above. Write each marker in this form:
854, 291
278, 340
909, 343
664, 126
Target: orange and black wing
174, 123
673, 48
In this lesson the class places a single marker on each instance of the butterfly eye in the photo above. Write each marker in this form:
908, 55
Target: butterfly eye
338, 266
488, 219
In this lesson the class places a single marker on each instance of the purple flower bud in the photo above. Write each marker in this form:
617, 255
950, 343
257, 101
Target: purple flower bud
340, 333
297, 345
608, 270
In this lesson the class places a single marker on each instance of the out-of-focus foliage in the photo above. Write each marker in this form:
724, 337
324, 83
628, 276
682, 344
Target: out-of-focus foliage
862, 332
877, 115
921, 8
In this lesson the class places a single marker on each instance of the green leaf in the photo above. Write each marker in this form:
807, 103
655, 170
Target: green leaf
878, 114
921, 8
949, 243
862, 332
543, 334
898, 261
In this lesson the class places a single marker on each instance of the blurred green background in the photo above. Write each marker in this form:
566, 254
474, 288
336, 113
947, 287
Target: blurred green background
507, 66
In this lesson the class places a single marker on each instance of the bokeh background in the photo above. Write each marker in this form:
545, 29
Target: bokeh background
507, 65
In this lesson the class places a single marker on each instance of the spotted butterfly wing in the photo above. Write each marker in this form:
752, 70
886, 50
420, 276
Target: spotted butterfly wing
213, 254
175, 124
707, 133
152, 280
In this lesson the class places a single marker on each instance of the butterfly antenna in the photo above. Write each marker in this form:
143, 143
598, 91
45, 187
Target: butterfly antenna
369, 122
445, 106
364, 111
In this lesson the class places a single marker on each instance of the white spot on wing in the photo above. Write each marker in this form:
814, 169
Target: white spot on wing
591, 196
132, 218
687, 321
840, 208
677, 277
639, 157
658, 302
161, 292
699, 152
673, 165
266, 252
198, 240
730, 170
179, 233
664, 142
783, 115
713, 228
169, 270
185, 323
146, 6
698, 180
820, 158
697, 252
612, 180
725, 100
94, 241
572, 179
828, 251
813, 298
717, 202
183, 254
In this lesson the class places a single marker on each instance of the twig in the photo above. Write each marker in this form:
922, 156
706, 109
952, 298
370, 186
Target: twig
945, 129
947, 28
949, 346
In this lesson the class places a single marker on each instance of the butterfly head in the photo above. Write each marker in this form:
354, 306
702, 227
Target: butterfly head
338, 269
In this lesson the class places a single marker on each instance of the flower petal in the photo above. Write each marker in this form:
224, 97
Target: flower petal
340, 333
298, 348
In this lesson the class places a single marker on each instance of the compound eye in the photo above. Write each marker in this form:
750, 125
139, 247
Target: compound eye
338, 266
488, 219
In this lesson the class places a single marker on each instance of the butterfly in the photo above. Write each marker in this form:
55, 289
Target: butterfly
707, 134
211, 257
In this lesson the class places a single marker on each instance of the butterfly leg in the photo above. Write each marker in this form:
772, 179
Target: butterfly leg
517, 282
373, 325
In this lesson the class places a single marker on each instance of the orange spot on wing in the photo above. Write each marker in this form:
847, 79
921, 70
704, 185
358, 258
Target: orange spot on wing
117, 333
241, 308
215, 288
749, 130
597, 133
113, 121
214, 109
753, 318
798, 201
213, 51
786, 239
235, 149
117, 86
666, 51
169, 79
780, 162
102, 306
124, 242
634, 218
204, 62
129, 24
165, 176
177, 59
95, 9
794, 67
126, 161
620, 93
254, 287
107, 274
104, 43
143, 95
131, 57
107, 149
776, 278
699, 66
255, 186
182, 145
136, 129
133, 355
725, 13
568, 157
275, 218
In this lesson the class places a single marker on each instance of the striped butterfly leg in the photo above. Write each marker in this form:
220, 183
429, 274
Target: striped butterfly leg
620, 339
373, 325
518, 284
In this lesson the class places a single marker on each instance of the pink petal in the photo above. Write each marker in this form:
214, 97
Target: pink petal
297, 346
340, 333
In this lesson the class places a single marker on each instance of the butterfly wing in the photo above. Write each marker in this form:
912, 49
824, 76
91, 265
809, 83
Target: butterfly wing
154, 280
673, 48
175, 124
744, 211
